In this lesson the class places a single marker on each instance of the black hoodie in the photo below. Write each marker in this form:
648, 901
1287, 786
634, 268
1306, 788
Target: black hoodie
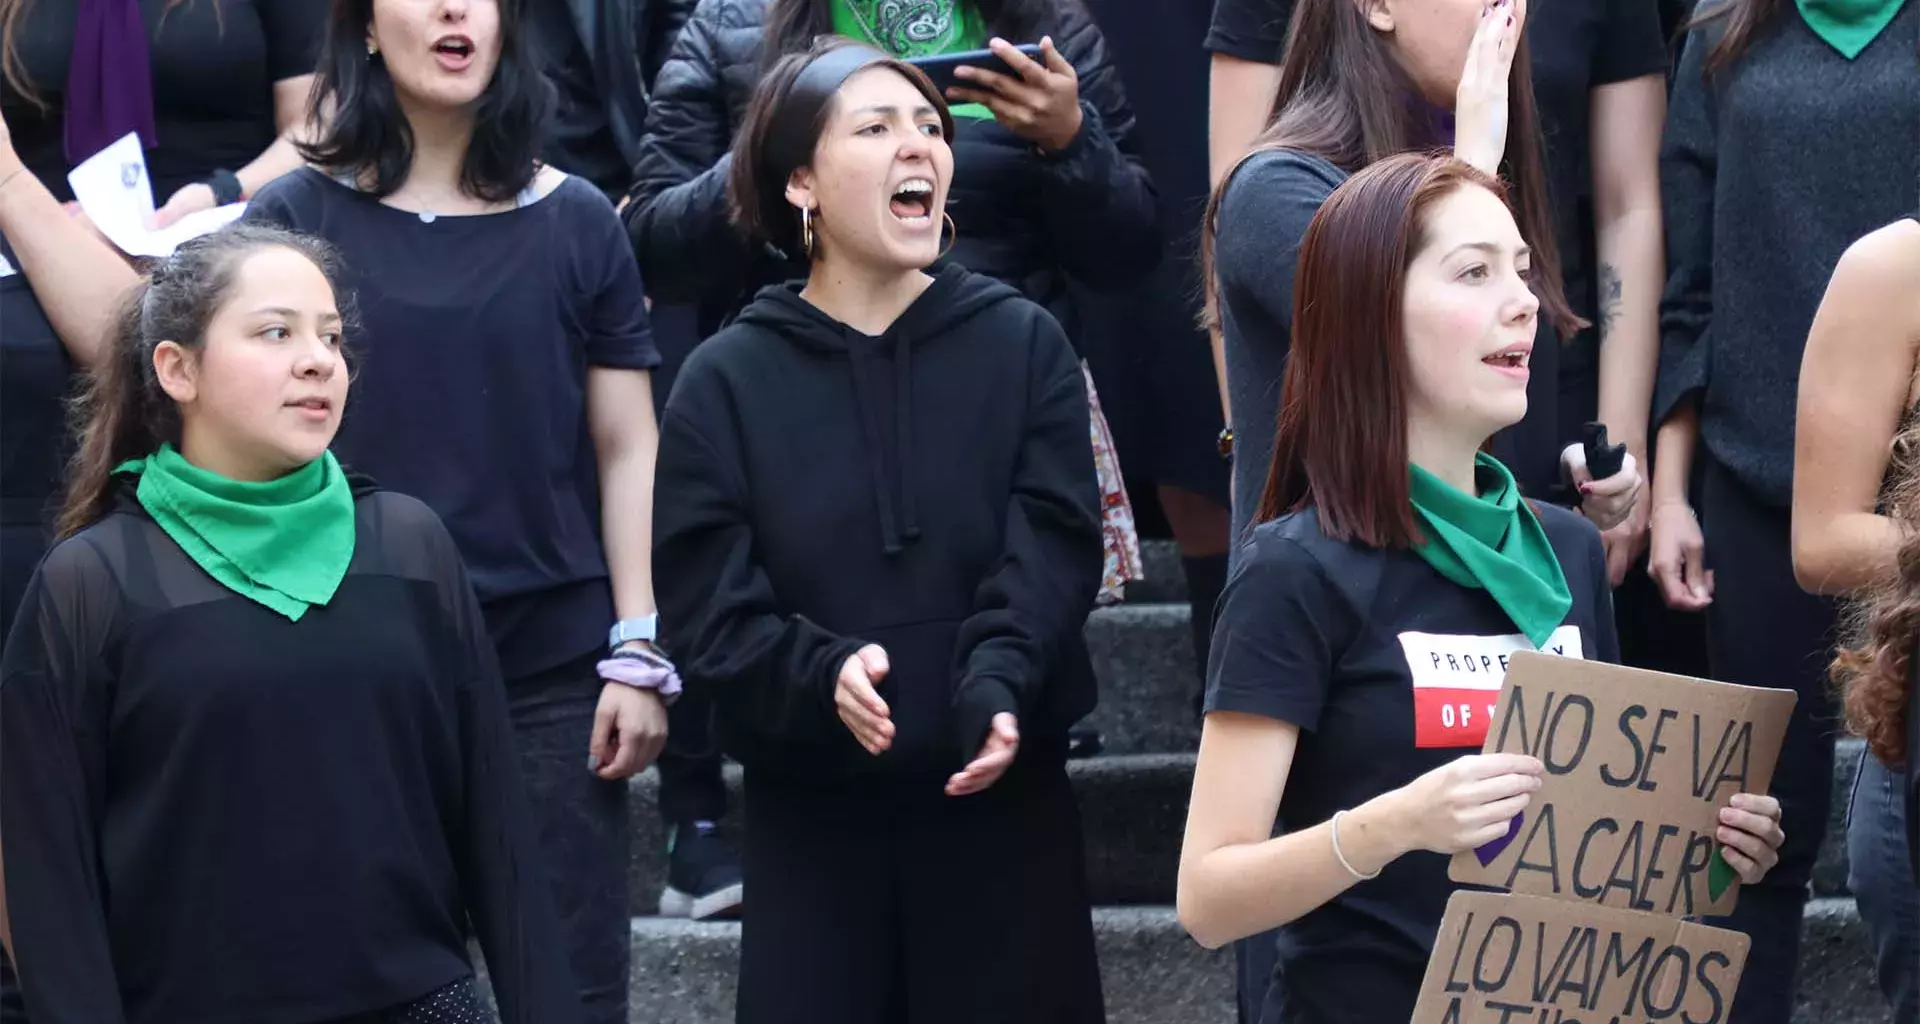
931, 490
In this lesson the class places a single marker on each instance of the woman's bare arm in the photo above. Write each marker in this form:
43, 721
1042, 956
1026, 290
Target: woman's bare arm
1856, 378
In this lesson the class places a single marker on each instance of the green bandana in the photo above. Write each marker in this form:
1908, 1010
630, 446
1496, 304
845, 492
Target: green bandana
284, 543
1493, 543
916, 28
1848, 25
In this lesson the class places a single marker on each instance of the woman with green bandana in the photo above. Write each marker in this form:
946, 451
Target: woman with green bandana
255, 759
1364, 631
1793, 130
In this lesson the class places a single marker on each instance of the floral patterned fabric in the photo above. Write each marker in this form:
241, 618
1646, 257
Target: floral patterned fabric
1118, 536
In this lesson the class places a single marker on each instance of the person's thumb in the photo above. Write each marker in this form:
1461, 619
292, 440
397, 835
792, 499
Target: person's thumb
1005, 727
874, 657
1574, 458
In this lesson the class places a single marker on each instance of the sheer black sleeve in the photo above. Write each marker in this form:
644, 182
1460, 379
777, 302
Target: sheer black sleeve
55, 698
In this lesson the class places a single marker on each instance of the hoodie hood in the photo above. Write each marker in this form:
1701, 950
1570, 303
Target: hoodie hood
885, 407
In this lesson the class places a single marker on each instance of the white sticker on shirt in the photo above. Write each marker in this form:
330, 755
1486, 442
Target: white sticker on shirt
1457, 679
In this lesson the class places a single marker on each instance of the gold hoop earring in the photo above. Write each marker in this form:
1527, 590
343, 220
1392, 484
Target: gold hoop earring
953, 235
806, 232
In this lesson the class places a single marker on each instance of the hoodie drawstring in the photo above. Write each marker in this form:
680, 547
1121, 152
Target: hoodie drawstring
903, 417
890, 541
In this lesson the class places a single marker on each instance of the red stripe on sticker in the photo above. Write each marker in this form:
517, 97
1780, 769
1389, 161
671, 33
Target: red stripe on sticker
1451, 718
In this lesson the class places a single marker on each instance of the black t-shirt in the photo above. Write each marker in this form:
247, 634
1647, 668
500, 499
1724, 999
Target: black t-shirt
470, 391
1578, 45
579, 138
1390, 671
214, 65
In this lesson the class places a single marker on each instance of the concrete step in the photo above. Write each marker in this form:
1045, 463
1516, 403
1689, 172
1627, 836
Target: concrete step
1143, 657
1133, 810
686, 973
1165, 582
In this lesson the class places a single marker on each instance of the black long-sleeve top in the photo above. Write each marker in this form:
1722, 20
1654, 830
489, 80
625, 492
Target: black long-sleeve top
1769, 170
931, 491
213, 814
1088, 212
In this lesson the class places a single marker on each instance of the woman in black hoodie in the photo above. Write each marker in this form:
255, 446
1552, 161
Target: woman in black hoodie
877, 537
1038, 201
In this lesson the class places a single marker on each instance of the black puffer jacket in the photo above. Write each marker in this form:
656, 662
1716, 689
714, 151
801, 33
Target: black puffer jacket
1088, 212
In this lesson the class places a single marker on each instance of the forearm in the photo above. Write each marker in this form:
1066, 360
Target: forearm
1840, 554
1237, 891
275, 160
1240, 96
1632, 271
77, 277
1673, 456
626, 524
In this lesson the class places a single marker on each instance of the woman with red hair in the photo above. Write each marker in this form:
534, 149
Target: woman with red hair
1389, 548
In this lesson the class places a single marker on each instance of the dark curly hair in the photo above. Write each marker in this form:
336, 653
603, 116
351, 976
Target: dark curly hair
1883, 623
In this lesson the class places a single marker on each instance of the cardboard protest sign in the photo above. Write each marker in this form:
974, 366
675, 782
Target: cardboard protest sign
1504, 959
1638, 766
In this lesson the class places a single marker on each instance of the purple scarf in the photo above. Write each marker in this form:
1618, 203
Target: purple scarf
109, 80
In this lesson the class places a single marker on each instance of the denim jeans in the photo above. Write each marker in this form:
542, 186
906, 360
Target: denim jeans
582, 820
1879, 874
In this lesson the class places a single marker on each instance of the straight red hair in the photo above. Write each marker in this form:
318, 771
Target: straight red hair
1341, 442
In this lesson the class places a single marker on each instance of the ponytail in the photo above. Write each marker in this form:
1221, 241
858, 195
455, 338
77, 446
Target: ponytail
120, 414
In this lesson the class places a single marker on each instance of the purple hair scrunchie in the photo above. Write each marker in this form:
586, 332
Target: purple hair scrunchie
640, 674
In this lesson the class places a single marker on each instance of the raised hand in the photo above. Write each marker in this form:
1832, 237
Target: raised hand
1480, 103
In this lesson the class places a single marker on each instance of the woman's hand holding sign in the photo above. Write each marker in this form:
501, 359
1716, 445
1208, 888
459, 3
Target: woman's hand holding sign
1750, 835
1466, 803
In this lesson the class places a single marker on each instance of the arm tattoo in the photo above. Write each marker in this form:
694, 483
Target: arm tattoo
1609, 311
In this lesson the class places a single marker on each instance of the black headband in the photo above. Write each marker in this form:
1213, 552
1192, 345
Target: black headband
790, 141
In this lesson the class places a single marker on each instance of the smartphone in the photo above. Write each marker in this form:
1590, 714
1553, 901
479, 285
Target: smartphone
941, 68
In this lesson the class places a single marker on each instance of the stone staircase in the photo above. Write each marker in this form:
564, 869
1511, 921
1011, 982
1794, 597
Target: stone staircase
1133, 802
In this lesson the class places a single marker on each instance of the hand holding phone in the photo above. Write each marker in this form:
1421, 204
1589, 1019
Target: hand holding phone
941, 68
1039, 100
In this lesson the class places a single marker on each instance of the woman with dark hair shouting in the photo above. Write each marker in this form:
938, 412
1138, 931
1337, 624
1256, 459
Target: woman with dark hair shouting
1790, 135
255, 762
506, 384
878, 539
1048, 183
1388, 542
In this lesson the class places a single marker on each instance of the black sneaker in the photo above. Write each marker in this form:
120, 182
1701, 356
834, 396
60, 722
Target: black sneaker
703, 874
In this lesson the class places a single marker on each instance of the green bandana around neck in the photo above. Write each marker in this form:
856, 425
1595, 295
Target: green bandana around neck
916, 28
1848, 25
1494, 543
284, 543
